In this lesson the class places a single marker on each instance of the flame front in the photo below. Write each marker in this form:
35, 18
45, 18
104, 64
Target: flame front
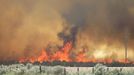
64, 55
61, 55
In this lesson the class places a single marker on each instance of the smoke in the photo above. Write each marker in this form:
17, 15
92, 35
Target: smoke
75, 18
97, 26
26, 28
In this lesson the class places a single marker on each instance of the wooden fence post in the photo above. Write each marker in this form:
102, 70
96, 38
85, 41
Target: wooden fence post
64, 71
78, 71
92, 70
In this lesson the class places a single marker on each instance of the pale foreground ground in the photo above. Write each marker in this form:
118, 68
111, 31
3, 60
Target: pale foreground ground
29, 69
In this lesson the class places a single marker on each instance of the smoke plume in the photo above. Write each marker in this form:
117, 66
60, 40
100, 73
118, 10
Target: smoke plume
99, 27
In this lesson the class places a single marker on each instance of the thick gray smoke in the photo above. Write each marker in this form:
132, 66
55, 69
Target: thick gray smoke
76, 18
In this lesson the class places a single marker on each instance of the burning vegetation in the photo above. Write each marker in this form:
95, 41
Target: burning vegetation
63, 55
65, 30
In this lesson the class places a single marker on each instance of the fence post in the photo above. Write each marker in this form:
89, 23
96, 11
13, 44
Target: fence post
64, 71
78, 71
93, 70
40, 69
120, 69
107, 69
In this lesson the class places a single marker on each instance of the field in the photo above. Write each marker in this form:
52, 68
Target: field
30, 69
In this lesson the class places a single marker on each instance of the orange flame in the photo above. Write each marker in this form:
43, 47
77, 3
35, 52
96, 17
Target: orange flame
42, 57
61, 55
81, 57
64, 55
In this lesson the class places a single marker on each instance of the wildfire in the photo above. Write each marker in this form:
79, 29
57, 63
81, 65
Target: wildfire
81, 57
61, 55
64, 55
